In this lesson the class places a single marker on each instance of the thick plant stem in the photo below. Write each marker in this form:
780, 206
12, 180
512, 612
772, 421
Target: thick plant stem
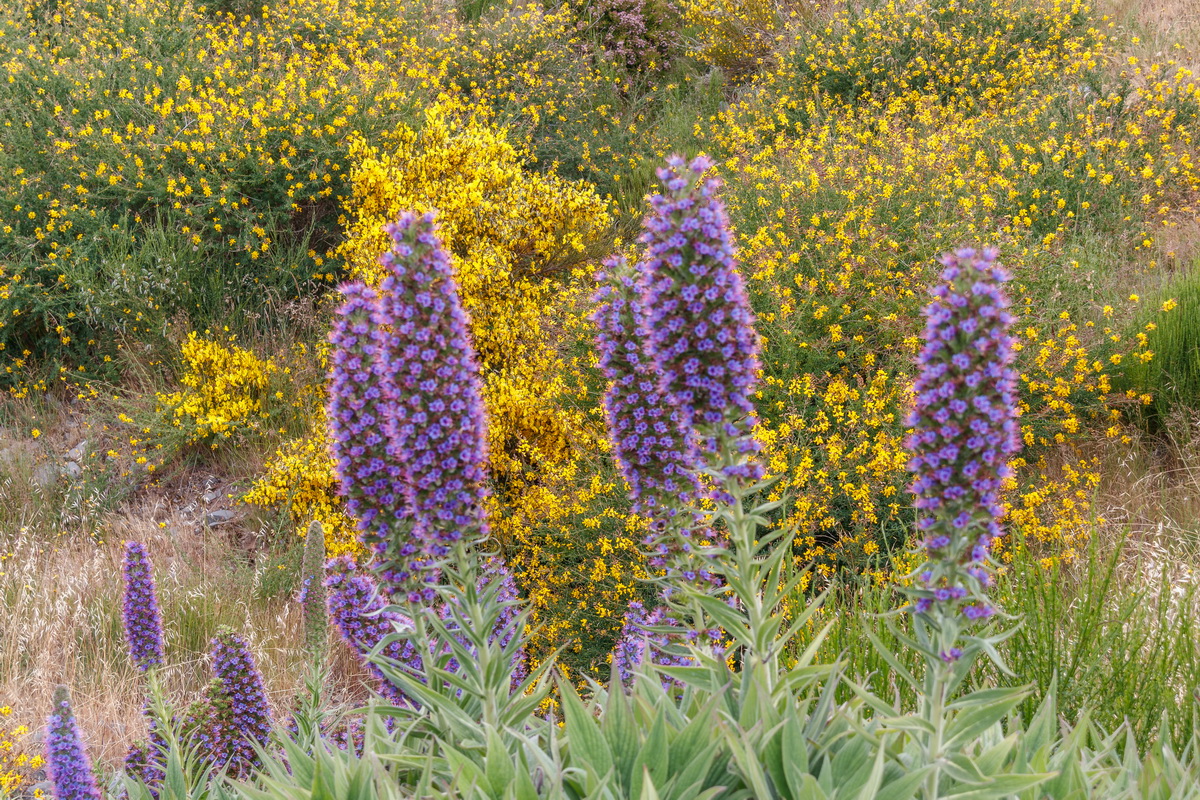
743, 540
935, 714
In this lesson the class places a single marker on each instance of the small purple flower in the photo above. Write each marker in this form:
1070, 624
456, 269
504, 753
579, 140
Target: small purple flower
497, 573
239, 689
701, 329
69, 767
143, 623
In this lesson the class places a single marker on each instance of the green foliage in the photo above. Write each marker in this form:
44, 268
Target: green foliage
1172, 376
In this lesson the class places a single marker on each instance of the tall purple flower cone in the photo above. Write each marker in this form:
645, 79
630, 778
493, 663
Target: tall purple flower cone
701, 329
377, 493
407, 412
68, 765
143, 623
240, 686
964, 430
654, 447
436, 422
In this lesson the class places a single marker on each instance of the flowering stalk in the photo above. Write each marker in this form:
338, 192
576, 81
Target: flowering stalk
689, 342
435, 422
405, 357
69, 767
143, 623
654, 445
701, 336
312, 590
239, 693
964, 432
377, 495
407, 413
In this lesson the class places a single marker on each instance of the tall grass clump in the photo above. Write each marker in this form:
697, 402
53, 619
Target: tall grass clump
1169, 325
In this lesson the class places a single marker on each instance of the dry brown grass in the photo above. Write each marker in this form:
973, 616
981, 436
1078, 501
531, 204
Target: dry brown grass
1168, 29
62, 603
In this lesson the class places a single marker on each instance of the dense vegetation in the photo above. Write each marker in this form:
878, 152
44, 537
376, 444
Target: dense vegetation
183, 187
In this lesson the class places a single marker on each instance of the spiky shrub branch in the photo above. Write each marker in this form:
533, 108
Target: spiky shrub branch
68, 764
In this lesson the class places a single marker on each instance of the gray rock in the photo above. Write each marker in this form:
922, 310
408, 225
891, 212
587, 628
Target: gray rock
218, 517
210, 497
44, 475
72, 469
77, 452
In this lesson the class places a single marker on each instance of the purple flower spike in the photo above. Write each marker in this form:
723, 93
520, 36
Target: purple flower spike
377, 494
496, 572
406, 412
701, 328
964, 428
358, 612
143, 623
241, 692
637, 643
654, 446
435, 422
69, 767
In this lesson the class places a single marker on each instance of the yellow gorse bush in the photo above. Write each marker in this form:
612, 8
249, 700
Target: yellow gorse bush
15, 761
223, 390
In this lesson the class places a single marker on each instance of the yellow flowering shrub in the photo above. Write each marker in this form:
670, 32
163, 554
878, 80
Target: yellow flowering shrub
888, 135
15, 761
224, 386
737, 35
300, 478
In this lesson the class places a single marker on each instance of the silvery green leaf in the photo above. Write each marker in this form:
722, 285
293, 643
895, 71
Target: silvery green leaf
1000, 787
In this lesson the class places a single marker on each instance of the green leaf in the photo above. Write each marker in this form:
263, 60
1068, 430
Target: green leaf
653, 761
1001, 786
621, 732
980, 714
905, 786
887, 655
498, 765
586, 742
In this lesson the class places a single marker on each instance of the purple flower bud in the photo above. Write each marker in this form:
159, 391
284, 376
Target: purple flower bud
69, 767
143, 623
